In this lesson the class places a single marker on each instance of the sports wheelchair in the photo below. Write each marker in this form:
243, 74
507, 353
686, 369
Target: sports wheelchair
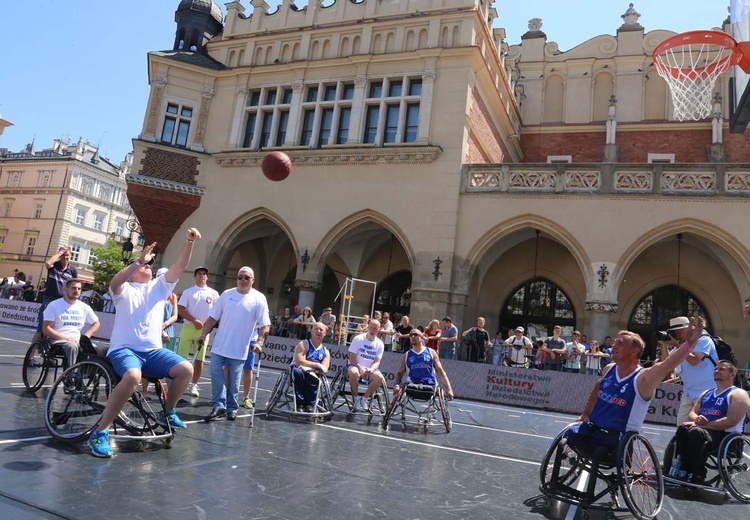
727, 467
283, 400
379, 401
77, 399
424, 401
40, 358
632, 469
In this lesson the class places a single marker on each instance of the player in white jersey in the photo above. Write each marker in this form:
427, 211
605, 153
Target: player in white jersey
365, 353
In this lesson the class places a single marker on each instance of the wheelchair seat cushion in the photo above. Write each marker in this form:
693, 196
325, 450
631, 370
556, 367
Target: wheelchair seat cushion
420, 392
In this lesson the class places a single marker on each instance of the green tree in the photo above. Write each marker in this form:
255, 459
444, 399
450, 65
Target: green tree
108, 261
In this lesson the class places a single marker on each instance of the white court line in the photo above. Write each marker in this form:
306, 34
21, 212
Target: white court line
30, 439
423, 444
583, 481
455, 423
16, 340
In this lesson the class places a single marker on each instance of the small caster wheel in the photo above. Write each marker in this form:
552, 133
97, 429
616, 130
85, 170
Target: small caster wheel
403, 427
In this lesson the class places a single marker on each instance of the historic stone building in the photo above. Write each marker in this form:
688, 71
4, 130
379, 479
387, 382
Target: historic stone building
66, 194
463, 175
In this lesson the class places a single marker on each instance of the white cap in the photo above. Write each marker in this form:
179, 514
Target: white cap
247, 269
519, 329
161, 271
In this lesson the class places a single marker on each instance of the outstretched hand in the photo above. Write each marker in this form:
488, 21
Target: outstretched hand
695, 329
147, 254
193, 234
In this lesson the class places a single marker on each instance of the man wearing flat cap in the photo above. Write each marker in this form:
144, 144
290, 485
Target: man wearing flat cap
194, 307
697, 371
240, 310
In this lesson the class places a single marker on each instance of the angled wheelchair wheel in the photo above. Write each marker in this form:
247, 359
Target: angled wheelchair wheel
76, 401
36, 365
278, 388
137, 417
561, 465
337, 385
734, 466
640, 476
445, 411
392, 408
382, 398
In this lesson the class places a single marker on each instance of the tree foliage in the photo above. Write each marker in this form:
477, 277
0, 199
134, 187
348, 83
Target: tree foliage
108, 261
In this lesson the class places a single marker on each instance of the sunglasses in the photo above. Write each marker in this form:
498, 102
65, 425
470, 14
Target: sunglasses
414, 335
243, 277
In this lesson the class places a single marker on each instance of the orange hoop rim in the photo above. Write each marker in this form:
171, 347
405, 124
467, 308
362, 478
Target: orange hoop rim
699, 37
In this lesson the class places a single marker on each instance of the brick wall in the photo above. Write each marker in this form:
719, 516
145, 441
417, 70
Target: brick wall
170, 166
161, 213
485, 144
689, 146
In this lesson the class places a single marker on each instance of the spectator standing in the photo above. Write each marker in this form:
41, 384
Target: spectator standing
194, 306
304, 322
520, 346
432, 335
555, 348
59, 271
5, 289
447, 341
402, 334
386, 331
498, 348
477, 339
96, 300
573, 352
594, 359
329, 320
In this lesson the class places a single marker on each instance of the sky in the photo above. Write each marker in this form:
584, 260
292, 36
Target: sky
78, 68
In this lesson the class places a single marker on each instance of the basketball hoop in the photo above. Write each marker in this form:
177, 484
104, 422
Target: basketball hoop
691, 62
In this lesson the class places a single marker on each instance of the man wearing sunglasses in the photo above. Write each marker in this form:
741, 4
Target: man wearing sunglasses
135, 346
421, 364
240, 310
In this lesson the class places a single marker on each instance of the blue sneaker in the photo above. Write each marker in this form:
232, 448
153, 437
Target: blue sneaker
99, 444
174, 421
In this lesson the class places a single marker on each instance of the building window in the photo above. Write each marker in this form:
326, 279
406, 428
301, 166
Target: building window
81, 216
38, 210
45, 179
105, 192
392, 114
98, 221
92, 257
2, 237
14, 179
176, 124
119, 228
327, 114
538, 305
87, 185
75, 252
30, 243
7, 206
559, 159
267, 117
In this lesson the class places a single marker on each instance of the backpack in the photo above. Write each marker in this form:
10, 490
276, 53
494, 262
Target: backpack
723, 350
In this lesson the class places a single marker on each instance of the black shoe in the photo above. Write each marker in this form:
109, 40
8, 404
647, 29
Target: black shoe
216, 413
309, 408
231, 416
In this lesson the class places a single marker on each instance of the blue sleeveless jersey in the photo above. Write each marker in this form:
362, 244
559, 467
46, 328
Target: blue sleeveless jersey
316, 355
716, 406
619, 406
419, 368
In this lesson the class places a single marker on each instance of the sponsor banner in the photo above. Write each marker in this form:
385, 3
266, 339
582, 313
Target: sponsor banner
19, 312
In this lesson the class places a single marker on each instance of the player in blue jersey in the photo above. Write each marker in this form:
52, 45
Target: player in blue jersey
717, 413
421, 365
619, 401
311, 359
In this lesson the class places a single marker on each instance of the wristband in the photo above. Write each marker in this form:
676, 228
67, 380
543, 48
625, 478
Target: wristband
189, 240
137, 263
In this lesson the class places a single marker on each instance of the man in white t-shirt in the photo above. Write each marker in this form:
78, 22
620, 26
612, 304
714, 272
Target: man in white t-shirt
240, 310
194, 307
135, 347
365, 353
386, 331
64, 320
519, 346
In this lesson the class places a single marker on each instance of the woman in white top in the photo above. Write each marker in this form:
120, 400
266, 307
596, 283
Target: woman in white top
594, 358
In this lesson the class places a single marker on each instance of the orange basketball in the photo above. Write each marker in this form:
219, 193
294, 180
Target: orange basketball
276, 166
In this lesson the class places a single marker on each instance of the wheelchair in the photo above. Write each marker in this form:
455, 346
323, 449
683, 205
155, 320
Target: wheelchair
424, 401
727, 467
379, 401
283, 400
77, 399
40, 358
632, 469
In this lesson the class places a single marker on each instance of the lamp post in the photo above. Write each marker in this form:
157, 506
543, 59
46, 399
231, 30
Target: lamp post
127, 246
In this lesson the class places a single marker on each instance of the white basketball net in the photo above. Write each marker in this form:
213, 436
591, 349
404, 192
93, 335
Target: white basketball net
691, 71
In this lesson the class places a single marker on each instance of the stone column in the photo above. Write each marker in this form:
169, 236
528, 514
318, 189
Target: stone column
600, 322
200, 132
425, 106
295, 116
356, 123
157, 94
716, 152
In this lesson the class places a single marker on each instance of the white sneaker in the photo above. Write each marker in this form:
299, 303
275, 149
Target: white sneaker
365, 403
357, 404
192, 390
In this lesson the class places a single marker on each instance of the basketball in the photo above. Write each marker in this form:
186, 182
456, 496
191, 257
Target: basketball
276, 166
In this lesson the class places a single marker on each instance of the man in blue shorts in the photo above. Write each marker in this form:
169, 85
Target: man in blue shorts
619, 401
421, 365
135, 347
311, 359
365, 352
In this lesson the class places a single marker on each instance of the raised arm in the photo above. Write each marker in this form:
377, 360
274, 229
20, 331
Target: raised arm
183, 259
50, 262
124, 274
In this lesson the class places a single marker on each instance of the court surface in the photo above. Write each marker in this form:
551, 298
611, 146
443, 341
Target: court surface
486, 468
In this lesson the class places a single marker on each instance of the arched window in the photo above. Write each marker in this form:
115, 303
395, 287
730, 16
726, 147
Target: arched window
394, 293
654, 311
538, 305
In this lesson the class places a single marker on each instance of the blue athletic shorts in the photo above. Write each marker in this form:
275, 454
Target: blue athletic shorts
152, 363
250, 361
